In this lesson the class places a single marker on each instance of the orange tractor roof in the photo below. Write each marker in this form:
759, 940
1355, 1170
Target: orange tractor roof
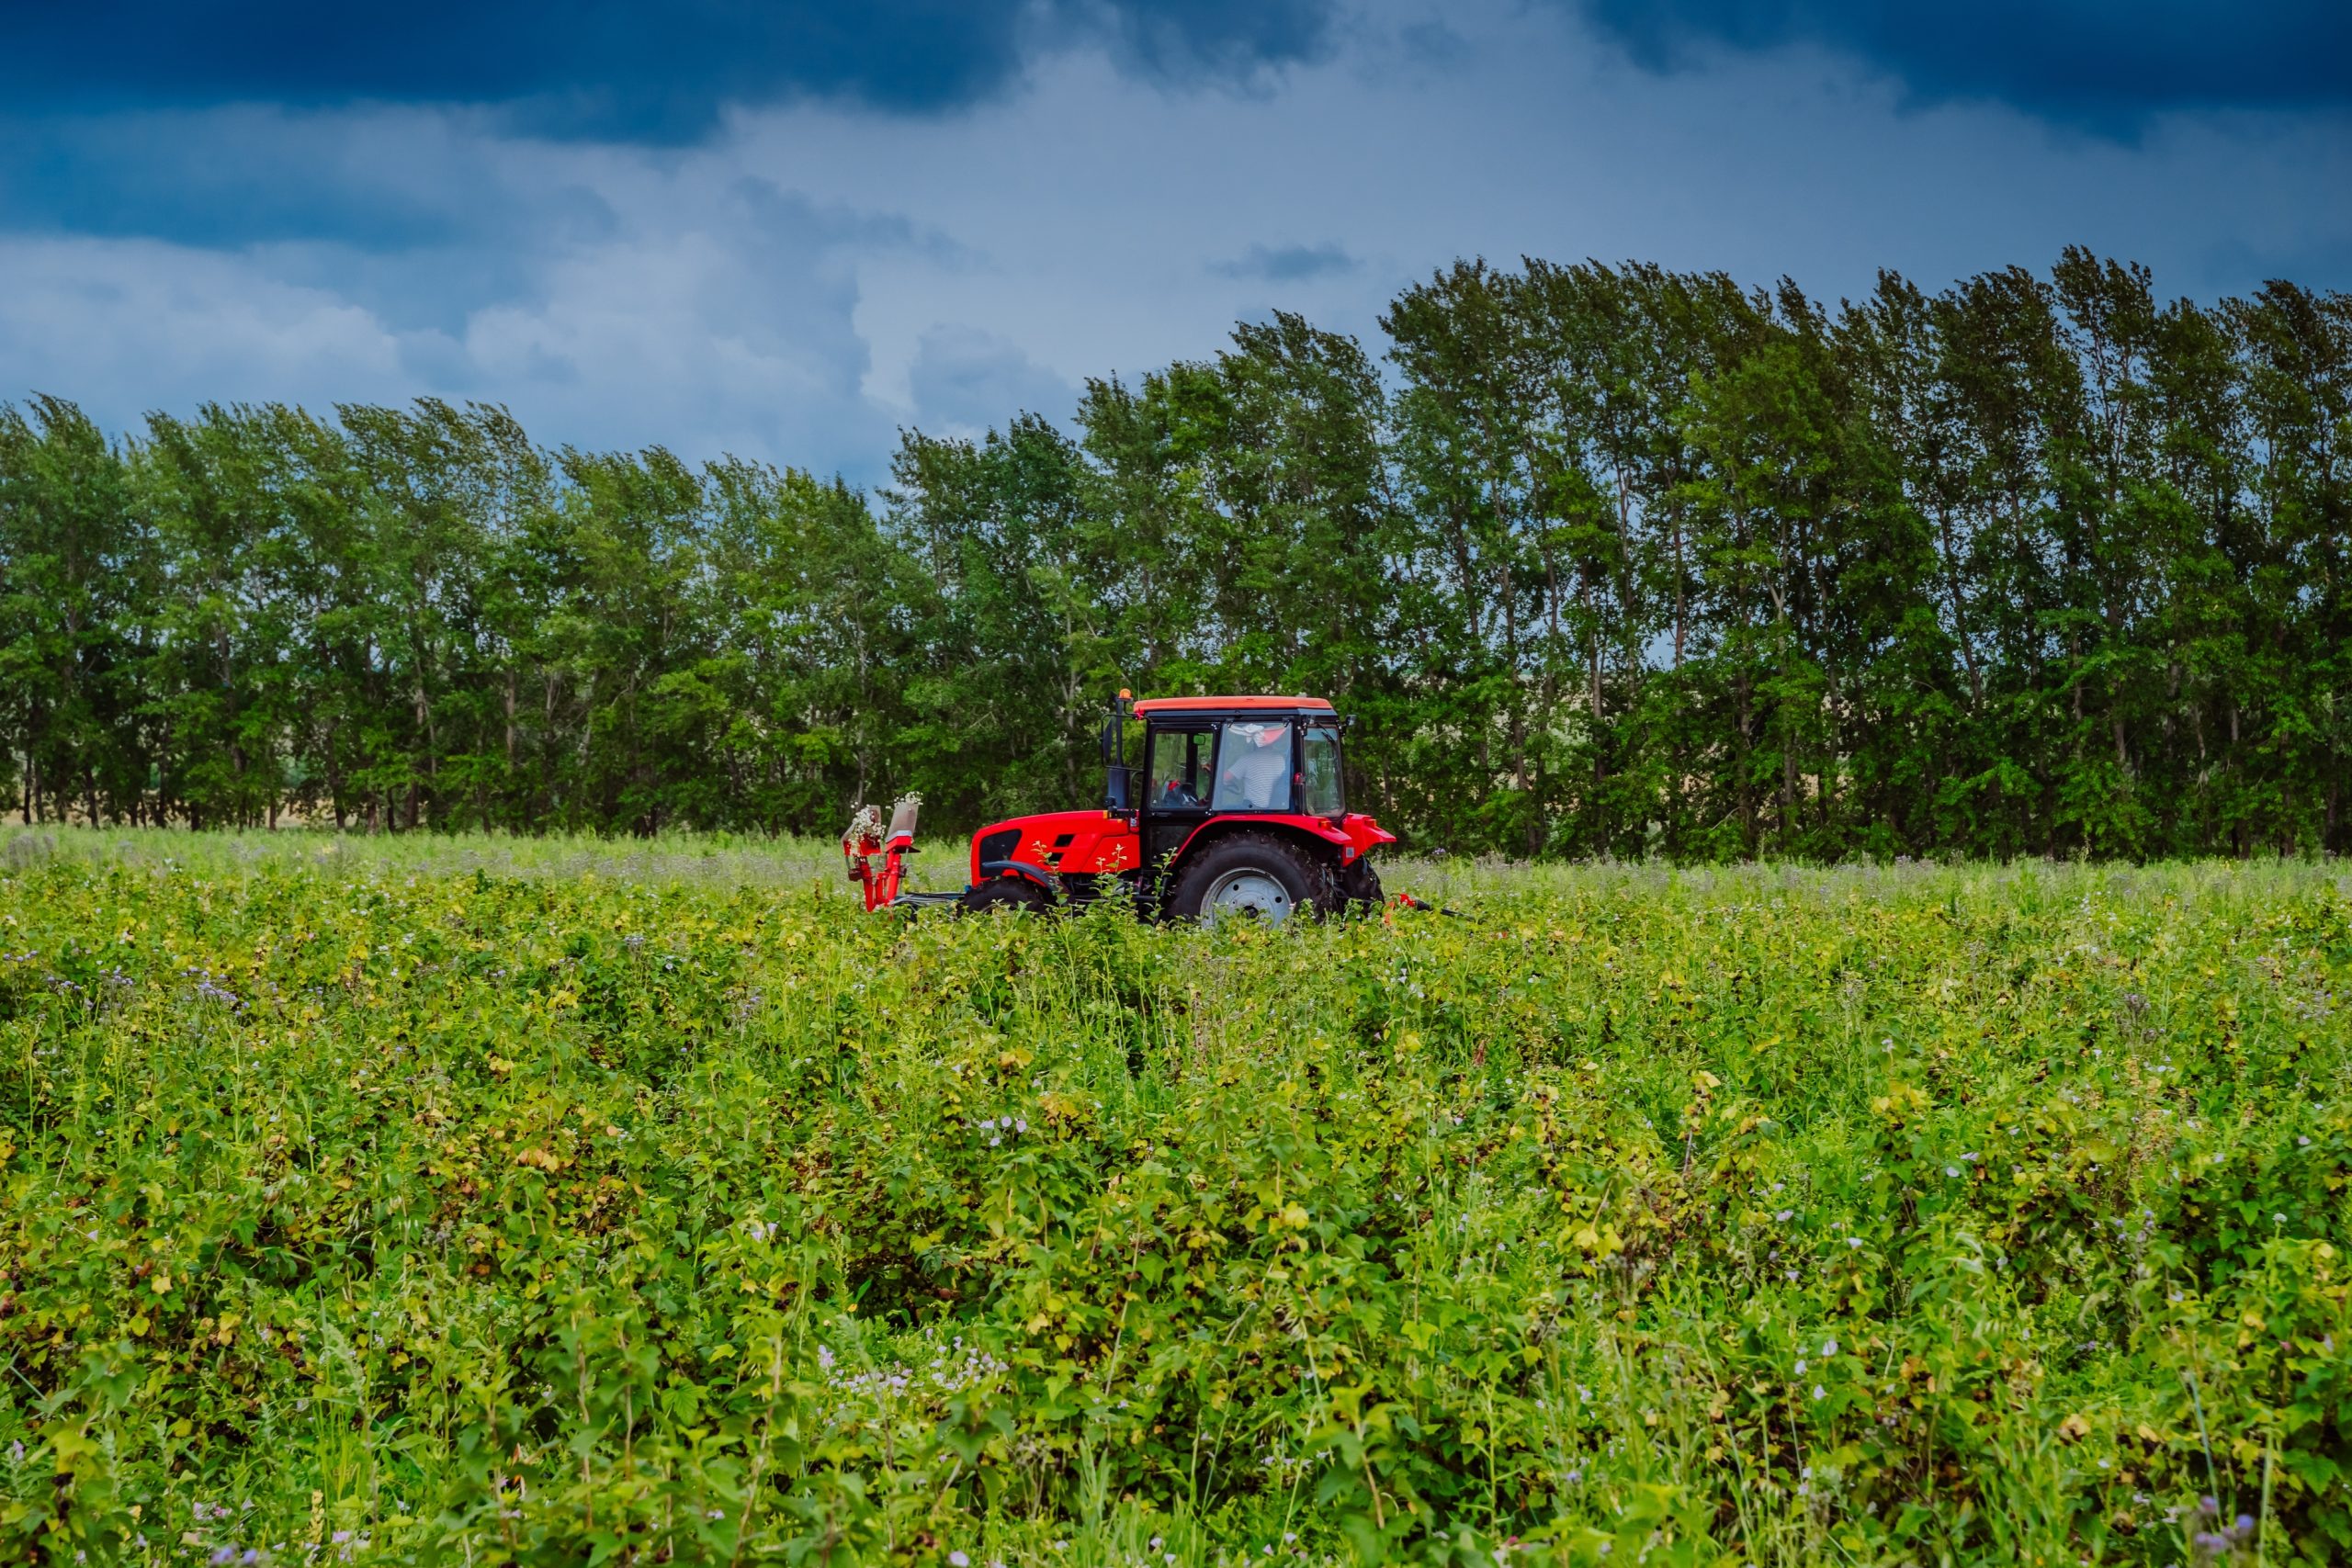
1183, 704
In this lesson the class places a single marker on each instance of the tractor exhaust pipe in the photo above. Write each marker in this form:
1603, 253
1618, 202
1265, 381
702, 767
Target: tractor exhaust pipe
1118, 778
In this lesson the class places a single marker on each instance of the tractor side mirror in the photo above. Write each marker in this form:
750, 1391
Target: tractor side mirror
1112, 727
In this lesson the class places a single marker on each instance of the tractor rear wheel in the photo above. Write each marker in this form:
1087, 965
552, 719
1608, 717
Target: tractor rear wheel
1012, 893
1251, 877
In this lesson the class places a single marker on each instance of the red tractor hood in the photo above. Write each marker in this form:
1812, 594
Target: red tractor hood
1057, 842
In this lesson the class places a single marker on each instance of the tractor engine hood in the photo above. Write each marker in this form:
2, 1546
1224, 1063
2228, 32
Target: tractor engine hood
1055, 843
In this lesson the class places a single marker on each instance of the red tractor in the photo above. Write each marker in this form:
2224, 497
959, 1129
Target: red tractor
1238, 809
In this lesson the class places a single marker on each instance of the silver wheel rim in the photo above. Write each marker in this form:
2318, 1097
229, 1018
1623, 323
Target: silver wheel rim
1248, 893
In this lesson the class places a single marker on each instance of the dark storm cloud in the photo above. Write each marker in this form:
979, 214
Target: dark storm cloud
2107, 63
613, 69
1286, 263
243, 177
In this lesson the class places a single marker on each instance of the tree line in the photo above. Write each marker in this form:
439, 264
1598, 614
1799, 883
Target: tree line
1605, 559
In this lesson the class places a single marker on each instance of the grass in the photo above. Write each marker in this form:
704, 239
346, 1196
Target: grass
473, 1200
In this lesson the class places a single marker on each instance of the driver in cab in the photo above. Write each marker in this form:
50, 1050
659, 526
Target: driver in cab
1255, 773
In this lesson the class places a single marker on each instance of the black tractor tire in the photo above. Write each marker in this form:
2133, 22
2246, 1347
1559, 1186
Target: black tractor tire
1358, 886
1253, 874
1015, 893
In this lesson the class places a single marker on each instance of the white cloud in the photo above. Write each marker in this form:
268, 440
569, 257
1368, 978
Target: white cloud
127, 324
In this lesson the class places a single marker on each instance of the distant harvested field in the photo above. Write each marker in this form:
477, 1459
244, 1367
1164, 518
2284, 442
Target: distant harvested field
489, 1200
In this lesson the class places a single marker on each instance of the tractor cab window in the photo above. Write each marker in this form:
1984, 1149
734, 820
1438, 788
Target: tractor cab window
1319, 772
1177, 774
1253, 766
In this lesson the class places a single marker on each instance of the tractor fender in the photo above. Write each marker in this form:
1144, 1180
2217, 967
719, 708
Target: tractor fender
1026, 870
1316, 829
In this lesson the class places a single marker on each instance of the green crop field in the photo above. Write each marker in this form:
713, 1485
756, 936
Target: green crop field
483, 1201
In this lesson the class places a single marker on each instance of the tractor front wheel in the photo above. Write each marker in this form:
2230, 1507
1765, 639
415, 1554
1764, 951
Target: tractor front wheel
1004, 893
1250, 877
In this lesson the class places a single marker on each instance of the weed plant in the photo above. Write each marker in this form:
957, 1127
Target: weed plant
441, 1202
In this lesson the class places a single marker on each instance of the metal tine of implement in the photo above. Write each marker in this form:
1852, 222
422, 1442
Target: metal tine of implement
1406, 901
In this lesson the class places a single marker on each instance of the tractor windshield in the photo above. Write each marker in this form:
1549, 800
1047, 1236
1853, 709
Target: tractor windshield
1319, 771
1253, 766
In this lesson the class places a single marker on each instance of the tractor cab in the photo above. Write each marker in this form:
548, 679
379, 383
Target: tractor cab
1235, 806
1218, 760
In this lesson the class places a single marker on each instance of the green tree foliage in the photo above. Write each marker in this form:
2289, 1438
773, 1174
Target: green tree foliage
1610, 561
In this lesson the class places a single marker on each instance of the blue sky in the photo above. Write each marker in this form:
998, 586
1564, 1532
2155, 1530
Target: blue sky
789, 229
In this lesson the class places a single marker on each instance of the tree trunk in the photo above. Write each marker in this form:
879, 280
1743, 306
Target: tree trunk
1592, 658
1960, 607
1678, 611
1747, 790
